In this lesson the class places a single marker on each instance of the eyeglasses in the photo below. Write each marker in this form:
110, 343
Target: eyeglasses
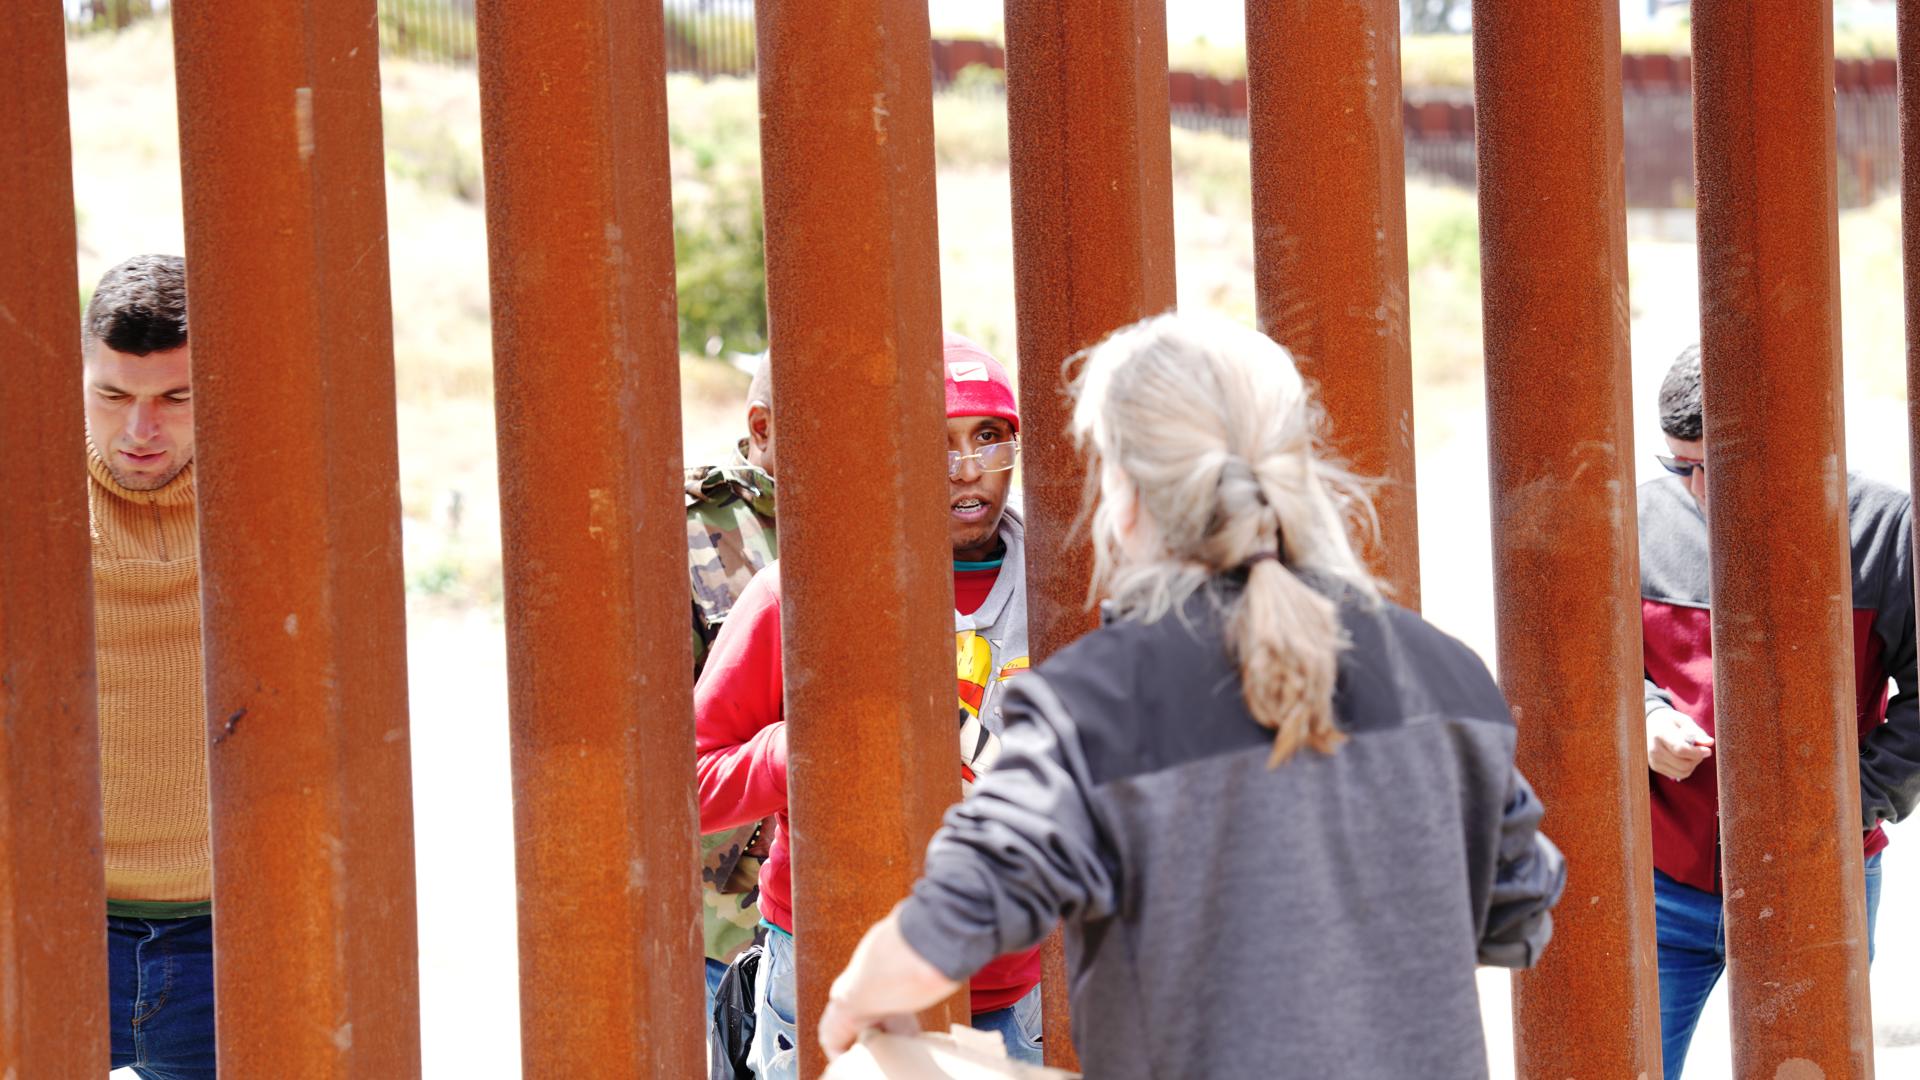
1681, 467
994, 457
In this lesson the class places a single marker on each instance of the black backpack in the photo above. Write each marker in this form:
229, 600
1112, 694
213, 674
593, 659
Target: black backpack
730, 1044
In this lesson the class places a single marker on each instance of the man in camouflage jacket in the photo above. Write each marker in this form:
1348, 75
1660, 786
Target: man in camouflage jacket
730, 537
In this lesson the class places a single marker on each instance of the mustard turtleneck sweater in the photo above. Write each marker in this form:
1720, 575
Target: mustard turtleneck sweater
153, 731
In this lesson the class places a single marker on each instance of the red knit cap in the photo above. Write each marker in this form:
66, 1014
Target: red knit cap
976, 383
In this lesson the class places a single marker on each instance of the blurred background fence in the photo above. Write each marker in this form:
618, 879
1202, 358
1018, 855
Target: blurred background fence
711, 38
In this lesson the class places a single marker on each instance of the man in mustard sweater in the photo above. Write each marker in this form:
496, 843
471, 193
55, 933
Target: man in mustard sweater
153, 742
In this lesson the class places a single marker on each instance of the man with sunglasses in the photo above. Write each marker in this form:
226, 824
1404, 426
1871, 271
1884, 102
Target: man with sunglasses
1678, 660
741, 733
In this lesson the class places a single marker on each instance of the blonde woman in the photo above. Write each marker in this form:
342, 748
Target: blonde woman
1278, 814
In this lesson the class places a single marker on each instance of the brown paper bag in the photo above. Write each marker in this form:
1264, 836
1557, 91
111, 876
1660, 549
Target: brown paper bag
961, 1054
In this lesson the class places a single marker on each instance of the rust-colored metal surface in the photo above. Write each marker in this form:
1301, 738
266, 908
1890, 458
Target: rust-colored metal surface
1330, 238
587, 393
1056, 1004
304, 628
1909, 89
53, 952
1090, 152
1560, 448
1777, 507
853, 294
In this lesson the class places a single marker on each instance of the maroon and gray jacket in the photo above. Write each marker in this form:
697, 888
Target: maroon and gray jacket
1678, 638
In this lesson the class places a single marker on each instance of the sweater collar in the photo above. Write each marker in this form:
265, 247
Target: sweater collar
1011, 580
175, 492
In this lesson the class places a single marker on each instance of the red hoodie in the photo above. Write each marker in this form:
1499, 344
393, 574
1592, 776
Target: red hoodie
741, 739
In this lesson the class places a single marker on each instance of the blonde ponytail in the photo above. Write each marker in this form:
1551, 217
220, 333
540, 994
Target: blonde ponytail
1287, 639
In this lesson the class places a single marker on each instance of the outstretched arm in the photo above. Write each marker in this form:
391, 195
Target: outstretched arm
1024, 850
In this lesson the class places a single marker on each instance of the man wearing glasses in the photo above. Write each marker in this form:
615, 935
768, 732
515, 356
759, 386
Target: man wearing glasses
741, 733
1679, 677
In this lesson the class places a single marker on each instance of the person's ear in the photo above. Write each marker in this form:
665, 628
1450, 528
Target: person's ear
1124, 498
759, 424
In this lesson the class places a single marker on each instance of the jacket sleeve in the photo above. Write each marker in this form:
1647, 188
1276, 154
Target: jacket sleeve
1527, 883
1026, 849
740, 735
1656, 697
1890, 753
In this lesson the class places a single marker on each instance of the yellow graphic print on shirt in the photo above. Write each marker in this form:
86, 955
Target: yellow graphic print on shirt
979, 745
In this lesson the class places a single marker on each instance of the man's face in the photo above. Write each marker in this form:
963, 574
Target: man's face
978, 498
140, 413
1692, 453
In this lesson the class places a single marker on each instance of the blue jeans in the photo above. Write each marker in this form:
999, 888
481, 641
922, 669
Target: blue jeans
160, 996
776, 1054
1018, 1025
1692, 933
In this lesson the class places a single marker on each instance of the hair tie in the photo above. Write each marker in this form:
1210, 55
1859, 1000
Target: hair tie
1247, 564
1235, 464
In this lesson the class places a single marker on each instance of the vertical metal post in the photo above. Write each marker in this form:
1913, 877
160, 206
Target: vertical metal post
1089, 147
1909, 98
1093, 247
53, 956
853, 293
305, 637
1330, 238
1787, 749
587, 377
1566, 550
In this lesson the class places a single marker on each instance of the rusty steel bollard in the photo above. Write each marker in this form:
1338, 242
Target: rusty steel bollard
1330, 239
316, 970
53, 965
1090, 152
853, 295
1560, 444
1787, 746
587, 381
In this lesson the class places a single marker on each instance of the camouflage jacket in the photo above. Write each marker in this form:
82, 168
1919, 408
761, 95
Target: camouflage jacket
730, 537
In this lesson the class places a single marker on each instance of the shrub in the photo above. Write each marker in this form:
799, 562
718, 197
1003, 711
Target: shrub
719, 238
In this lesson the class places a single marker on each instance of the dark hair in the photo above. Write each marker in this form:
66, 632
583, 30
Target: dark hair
1680, 397
140, 306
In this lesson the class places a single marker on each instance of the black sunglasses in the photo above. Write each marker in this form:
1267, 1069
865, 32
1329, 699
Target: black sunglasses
1680, 467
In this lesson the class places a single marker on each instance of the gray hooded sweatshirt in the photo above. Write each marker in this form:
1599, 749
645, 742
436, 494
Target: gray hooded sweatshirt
1318, 919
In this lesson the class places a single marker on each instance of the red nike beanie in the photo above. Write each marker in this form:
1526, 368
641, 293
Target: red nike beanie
976, 383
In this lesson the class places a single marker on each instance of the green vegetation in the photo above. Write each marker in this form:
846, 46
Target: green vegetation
977, 77
1443, 229
719, 240
1443, 271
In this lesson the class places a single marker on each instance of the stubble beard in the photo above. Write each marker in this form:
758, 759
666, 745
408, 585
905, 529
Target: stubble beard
146, 483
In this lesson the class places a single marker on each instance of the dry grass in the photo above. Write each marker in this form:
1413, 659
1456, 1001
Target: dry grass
127, 191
